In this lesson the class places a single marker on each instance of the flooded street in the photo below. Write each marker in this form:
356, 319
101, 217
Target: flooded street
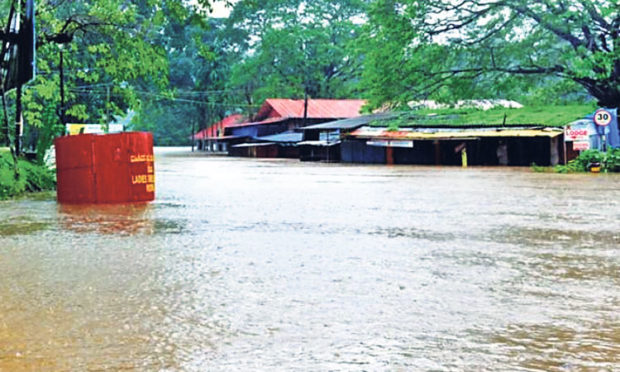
245, 264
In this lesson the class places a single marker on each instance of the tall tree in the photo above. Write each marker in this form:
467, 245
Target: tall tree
107, 52
296, 47
418, 49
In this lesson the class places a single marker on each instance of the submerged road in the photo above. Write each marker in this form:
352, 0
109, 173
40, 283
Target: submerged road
245, 264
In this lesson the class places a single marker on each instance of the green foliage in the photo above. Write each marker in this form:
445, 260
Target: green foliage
112, 52
536, 52
196, 93
26, 177
292, 47
609, 161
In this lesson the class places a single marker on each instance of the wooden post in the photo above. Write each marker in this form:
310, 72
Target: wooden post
389, 155
564, 144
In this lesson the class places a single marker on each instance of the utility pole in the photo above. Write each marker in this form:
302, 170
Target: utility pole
306, 103
19, 123
192, 137
63, 120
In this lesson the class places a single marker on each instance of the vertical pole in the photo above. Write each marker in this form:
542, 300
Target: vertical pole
192, 136
327, 146
565, 152
63, 120
305, 105
107, 106
18, 121
5, 117
389, 155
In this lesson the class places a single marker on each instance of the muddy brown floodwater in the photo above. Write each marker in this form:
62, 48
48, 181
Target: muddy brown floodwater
245, 264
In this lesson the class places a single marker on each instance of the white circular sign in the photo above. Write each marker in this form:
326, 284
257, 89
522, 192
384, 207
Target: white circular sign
602, 117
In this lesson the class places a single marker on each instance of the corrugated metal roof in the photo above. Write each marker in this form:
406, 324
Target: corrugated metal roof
282, 137
211, 131
318, 143
431, 134
351, 123
317, 108
266, 121
254, 144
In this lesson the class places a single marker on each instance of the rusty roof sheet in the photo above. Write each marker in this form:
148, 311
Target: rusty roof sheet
228, 121
444, 133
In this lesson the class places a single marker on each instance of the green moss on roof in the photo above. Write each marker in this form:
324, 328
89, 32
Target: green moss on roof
549, 116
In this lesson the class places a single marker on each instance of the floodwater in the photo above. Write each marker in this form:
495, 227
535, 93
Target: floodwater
246, 264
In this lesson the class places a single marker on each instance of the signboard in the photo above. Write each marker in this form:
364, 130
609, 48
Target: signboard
576, 133
73, 129
391, 143
581, 145
602, 117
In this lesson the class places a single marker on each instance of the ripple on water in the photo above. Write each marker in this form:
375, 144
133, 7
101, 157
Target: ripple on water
255, 265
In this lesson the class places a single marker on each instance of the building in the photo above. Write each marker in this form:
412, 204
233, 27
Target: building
522, 145
281, 145
281, 116
501, 136
212, 138
321, 142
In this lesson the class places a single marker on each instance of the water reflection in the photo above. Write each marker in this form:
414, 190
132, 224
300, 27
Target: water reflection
22, 225
123, 219
117, 219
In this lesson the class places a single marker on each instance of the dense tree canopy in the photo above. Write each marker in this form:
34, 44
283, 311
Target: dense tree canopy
293, 47
176, 69
424, 48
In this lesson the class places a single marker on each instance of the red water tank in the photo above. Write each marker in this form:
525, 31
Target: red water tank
105, 168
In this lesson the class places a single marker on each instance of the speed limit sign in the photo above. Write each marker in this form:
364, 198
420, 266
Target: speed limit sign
602, 117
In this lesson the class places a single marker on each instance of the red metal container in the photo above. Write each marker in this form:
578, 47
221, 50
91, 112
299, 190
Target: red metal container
108, 168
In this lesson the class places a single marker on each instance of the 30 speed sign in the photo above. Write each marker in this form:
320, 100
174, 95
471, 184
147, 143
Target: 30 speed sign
602, 117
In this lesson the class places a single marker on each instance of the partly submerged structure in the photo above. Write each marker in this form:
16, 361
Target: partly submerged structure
212, 138
501, 136
284, 117
522, 145
334, 131
274, 130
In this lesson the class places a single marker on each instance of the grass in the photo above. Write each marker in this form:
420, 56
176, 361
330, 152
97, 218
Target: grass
548, 116
30, 177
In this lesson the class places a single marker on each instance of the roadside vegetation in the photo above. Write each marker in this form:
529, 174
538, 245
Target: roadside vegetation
23, 177
607, 161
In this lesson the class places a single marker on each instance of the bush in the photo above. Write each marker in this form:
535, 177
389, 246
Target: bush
609, 161
612, 160
30, 177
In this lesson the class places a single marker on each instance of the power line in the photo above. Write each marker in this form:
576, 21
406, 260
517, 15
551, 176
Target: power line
160, 97
187, 92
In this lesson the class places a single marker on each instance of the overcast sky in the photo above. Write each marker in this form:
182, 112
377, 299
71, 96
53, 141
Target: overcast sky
220, 10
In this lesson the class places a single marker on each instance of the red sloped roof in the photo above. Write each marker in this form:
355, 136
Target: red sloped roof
317, 108
266, 121
211, 131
